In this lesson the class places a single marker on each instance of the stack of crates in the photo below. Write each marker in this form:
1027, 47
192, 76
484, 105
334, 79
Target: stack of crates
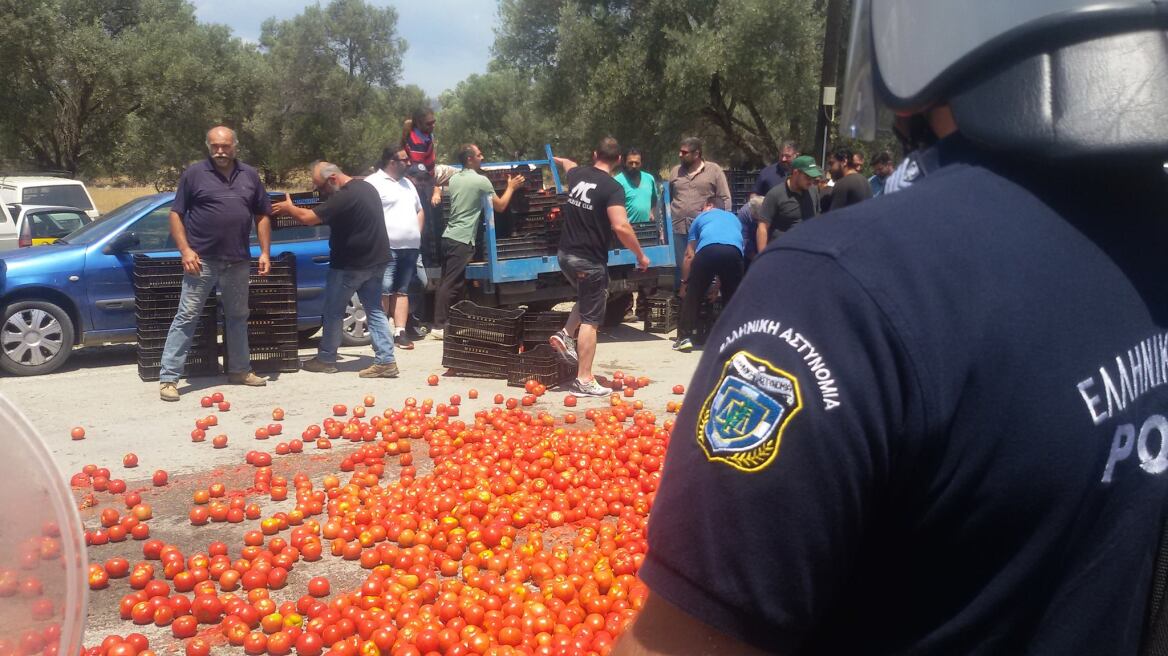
157, 287
649, 233
539, 326
664, 312
541, 364
272, 338
481, 341
741, 184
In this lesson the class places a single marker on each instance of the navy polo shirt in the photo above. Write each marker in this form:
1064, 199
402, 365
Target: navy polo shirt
767, 178
218, 212
933, 423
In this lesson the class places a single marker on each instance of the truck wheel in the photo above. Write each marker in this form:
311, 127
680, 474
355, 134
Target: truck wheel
36, 337
354, 328
615, 310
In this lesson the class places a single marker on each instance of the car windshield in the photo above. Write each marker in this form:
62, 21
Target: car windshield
66, 195
91, 232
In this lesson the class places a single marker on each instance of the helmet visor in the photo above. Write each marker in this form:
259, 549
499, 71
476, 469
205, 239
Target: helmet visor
905, 53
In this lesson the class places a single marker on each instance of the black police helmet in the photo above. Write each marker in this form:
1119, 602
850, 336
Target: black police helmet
1050, 78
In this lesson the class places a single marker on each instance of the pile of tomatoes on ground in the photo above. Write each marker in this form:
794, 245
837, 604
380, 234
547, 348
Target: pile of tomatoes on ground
524, 538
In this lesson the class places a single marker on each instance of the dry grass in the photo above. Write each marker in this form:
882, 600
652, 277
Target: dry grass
108, 198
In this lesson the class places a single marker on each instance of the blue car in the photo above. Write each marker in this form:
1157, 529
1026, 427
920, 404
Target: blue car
80, 290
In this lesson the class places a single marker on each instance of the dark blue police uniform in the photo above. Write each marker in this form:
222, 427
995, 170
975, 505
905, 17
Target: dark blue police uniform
933, 423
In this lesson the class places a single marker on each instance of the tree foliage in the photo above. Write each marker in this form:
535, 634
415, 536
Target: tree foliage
737, 72
129, 87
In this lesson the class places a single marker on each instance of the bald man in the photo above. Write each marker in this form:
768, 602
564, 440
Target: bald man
216, 202
358, 255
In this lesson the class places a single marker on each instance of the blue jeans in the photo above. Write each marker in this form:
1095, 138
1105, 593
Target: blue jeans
399, 273
339, 288
231, 277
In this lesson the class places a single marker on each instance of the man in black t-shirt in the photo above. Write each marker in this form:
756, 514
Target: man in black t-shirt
594, 212
358, 253
937, 425
851, 186
790, 202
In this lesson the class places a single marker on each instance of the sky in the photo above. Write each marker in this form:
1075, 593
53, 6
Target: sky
448, 39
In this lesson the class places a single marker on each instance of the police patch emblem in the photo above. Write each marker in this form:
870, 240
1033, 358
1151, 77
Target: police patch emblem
742, 421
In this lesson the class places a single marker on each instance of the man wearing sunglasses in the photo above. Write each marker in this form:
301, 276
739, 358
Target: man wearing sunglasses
690, 183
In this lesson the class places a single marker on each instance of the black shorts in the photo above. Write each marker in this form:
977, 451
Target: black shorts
590, 280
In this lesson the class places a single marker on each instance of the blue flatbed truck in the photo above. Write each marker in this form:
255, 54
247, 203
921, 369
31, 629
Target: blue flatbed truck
536, 281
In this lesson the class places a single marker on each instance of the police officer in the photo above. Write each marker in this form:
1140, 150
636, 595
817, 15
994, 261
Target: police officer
935, 424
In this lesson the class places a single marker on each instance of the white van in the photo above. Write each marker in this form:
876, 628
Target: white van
45, 190
9, 233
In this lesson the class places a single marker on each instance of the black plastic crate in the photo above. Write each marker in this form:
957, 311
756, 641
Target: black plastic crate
542, 364
468, 320
198, 363
477, 358
268, 358
539, 326
664, 311
513, 248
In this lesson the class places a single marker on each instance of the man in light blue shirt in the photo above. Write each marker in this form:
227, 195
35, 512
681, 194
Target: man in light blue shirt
641, 197
714, 248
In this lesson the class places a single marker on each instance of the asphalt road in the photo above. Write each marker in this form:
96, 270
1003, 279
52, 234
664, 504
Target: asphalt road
99, 389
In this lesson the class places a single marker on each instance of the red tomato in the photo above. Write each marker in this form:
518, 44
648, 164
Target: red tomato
198, 647
129, 460
679, 389
570, 401
369, 400
185, 626
310, 644
78, 433
318, 586
340, 410
117, 567
160, 478
219, 441
432, 380
224, 406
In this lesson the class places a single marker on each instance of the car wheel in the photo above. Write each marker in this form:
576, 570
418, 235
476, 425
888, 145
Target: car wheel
36, 337
354, 327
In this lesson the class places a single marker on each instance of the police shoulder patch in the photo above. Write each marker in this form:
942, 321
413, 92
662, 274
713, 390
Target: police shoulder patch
741, 422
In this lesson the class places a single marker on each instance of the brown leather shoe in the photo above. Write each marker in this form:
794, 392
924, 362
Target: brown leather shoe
380, 371
168, 391
249, 378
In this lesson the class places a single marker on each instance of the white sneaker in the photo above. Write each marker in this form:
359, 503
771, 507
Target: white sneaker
564, 345
590, 388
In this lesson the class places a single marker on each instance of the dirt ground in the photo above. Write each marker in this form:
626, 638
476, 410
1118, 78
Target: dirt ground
99, 389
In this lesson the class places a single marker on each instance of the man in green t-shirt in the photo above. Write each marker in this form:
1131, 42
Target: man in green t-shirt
467, 188
640, 188
641, 196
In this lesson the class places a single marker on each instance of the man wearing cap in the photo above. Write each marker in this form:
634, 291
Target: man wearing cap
795, 199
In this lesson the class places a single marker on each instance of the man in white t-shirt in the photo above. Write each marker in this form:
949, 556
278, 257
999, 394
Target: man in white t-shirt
403, 221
